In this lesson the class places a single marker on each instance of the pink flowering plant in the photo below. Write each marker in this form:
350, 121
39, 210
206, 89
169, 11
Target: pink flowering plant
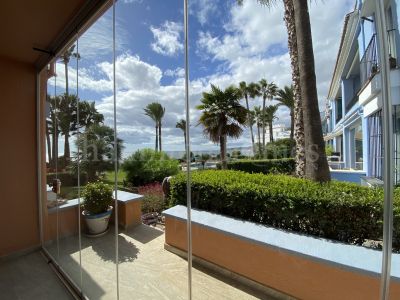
153, 200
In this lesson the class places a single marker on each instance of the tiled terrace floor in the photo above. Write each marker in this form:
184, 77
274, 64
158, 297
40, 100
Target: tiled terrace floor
146, 269
29, 277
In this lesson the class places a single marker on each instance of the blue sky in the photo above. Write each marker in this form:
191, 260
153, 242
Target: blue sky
227, 44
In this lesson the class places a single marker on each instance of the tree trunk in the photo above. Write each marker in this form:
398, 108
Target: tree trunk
222, 145
271, 132
184, 135
291, 125
66, 77
66, 149
48, 142
159, 136
259, 140
66, 136
250, 125
316, 164
263, 124
156, 137
298, 109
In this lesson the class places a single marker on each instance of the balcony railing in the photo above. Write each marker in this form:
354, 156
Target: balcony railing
352, 102
369, 62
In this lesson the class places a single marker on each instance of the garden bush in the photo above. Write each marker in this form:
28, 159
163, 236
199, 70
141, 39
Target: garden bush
337, 210
265, 166
153, 199
282, 148
148, 166
67, 178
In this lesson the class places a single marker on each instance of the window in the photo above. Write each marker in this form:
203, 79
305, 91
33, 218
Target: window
375, 145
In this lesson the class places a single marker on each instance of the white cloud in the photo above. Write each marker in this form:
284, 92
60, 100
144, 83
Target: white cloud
203, 10
255, 43
178, 72
252, 46
133, 1
167, 38
97, 42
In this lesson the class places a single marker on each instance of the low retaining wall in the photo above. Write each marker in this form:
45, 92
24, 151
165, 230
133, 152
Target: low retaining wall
129, 214
300, 266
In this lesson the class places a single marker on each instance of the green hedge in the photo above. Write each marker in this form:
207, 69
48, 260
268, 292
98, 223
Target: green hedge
67, 178
265, 166
337, 210
148, 166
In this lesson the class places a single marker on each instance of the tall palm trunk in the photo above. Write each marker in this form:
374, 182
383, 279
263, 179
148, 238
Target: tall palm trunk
291, 124
298, 130
66, 76
48, 142
159, 135
156, 137
250, 124
259, 139
316, 164
222, 146
263, 123
67, 152
271, 132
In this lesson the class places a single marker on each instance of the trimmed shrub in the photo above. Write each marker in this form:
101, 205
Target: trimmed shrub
97, 197
67, 178
337, 210
153, 200
265, 166
282, 148
148, 166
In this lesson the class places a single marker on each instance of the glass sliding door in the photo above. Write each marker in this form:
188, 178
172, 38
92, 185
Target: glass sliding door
150, 102
68, 209
95, 155
60, 209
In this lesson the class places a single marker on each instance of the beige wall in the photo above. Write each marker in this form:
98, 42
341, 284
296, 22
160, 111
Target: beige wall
19, 224
291, 274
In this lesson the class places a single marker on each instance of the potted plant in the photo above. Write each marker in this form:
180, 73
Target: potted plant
96, 206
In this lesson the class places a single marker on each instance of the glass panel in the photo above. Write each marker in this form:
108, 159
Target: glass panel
260, 226
94, 152
150, 103
61, 210
50, 203
68, 212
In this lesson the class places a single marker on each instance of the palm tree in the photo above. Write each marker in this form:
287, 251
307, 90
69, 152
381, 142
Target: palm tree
267, 91
204, 157
246, 92
269, 117
285, 98
96, 150
156, 112
316, 163
223, 116
65, 58
256, 115
181, 124
301, 53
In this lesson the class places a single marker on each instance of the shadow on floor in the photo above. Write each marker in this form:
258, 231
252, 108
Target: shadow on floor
143, 233
127, 251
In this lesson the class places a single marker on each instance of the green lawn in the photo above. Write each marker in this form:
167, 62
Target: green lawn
110, 175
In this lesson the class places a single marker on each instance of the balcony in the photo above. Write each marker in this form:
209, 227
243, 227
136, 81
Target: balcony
369, 62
